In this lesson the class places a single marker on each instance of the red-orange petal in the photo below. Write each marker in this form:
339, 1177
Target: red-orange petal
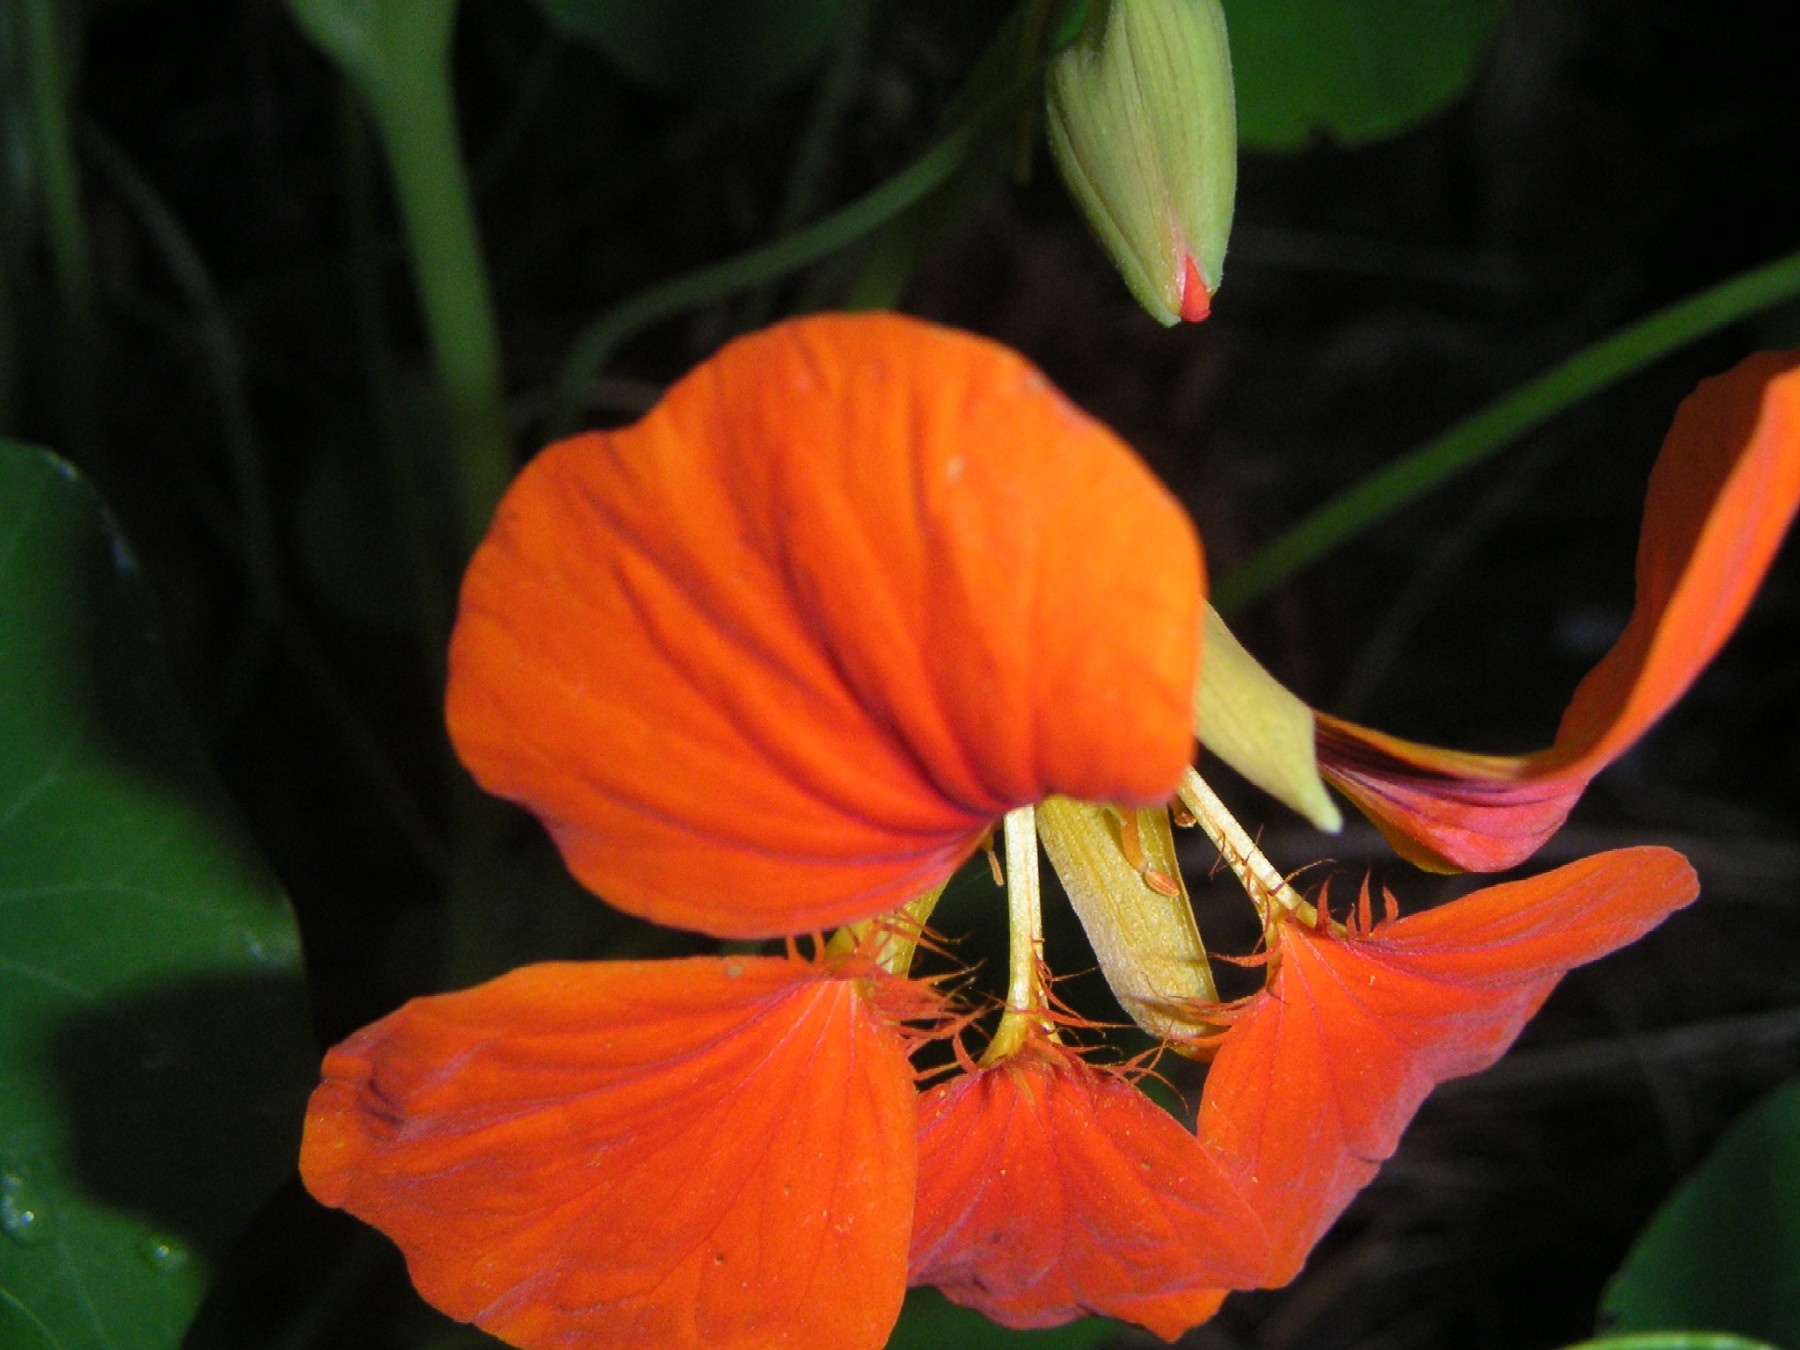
1315, 1081
1721, 497
712, 1153
1196, 300
775, 657
1049, 1190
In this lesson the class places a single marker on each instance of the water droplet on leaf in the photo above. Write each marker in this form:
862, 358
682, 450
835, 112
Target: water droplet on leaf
165, 1253
23, 1217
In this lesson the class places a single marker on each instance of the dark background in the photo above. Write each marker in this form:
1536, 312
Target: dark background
1611, 157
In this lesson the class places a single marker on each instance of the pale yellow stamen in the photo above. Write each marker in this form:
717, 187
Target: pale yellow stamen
890, 939
1026, 997
1266, 886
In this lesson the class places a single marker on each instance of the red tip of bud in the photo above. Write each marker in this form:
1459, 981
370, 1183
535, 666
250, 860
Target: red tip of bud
1196, 304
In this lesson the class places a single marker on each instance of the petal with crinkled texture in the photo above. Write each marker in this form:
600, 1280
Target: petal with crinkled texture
1049, 1190
1721, 497
705, 1152
777, 656
1319, 1075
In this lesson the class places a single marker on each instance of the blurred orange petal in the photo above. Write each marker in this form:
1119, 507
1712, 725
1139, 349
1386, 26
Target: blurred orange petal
1721, 497
704, 1152
777, 656
1315, 1081
1049, 1190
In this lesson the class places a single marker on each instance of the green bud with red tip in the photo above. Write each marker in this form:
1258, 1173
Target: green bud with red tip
1144, 129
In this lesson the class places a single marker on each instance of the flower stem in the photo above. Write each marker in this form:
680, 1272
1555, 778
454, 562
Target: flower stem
418, 124
422, 541
398, 54
1025, 1000
1474, 439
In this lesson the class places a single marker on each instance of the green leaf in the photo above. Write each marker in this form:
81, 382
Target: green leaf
930, 1321
1723, 1253
154, 1036
1354, 70
717, 48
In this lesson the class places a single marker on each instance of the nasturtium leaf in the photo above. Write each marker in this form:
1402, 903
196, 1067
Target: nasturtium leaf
717, 48
1353, 70
1723, 1253
154, 1038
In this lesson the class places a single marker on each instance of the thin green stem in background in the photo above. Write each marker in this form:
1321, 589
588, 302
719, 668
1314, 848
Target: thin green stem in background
1471, 441
48, 50
418, 125
223, 362
421, 539
807, 171
1673, 1340
1011, 63
601, 340
1004, 73
398, 54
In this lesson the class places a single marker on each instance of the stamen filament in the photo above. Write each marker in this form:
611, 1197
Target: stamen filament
1264, 883
1025, 998
890, 939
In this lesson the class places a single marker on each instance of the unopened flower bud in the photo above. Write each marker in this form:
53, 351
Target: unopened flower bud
1144, 129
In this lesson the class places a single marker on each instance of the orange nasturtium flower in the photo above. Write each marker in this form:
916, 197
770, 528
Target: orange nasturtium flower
782, 656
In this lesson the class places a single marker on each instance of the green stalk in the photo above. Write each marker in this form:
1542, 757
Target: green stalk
398, 53
1008, 75
423, 542
1475, 439
601, 339
1007, 69
418, 124
812, 158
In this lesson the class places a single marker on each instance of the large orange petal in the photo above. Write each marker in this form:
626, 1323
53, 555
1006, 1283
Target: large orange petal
706, 1152
1722, 495
1320, 1074
1049, 1190
777, 656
